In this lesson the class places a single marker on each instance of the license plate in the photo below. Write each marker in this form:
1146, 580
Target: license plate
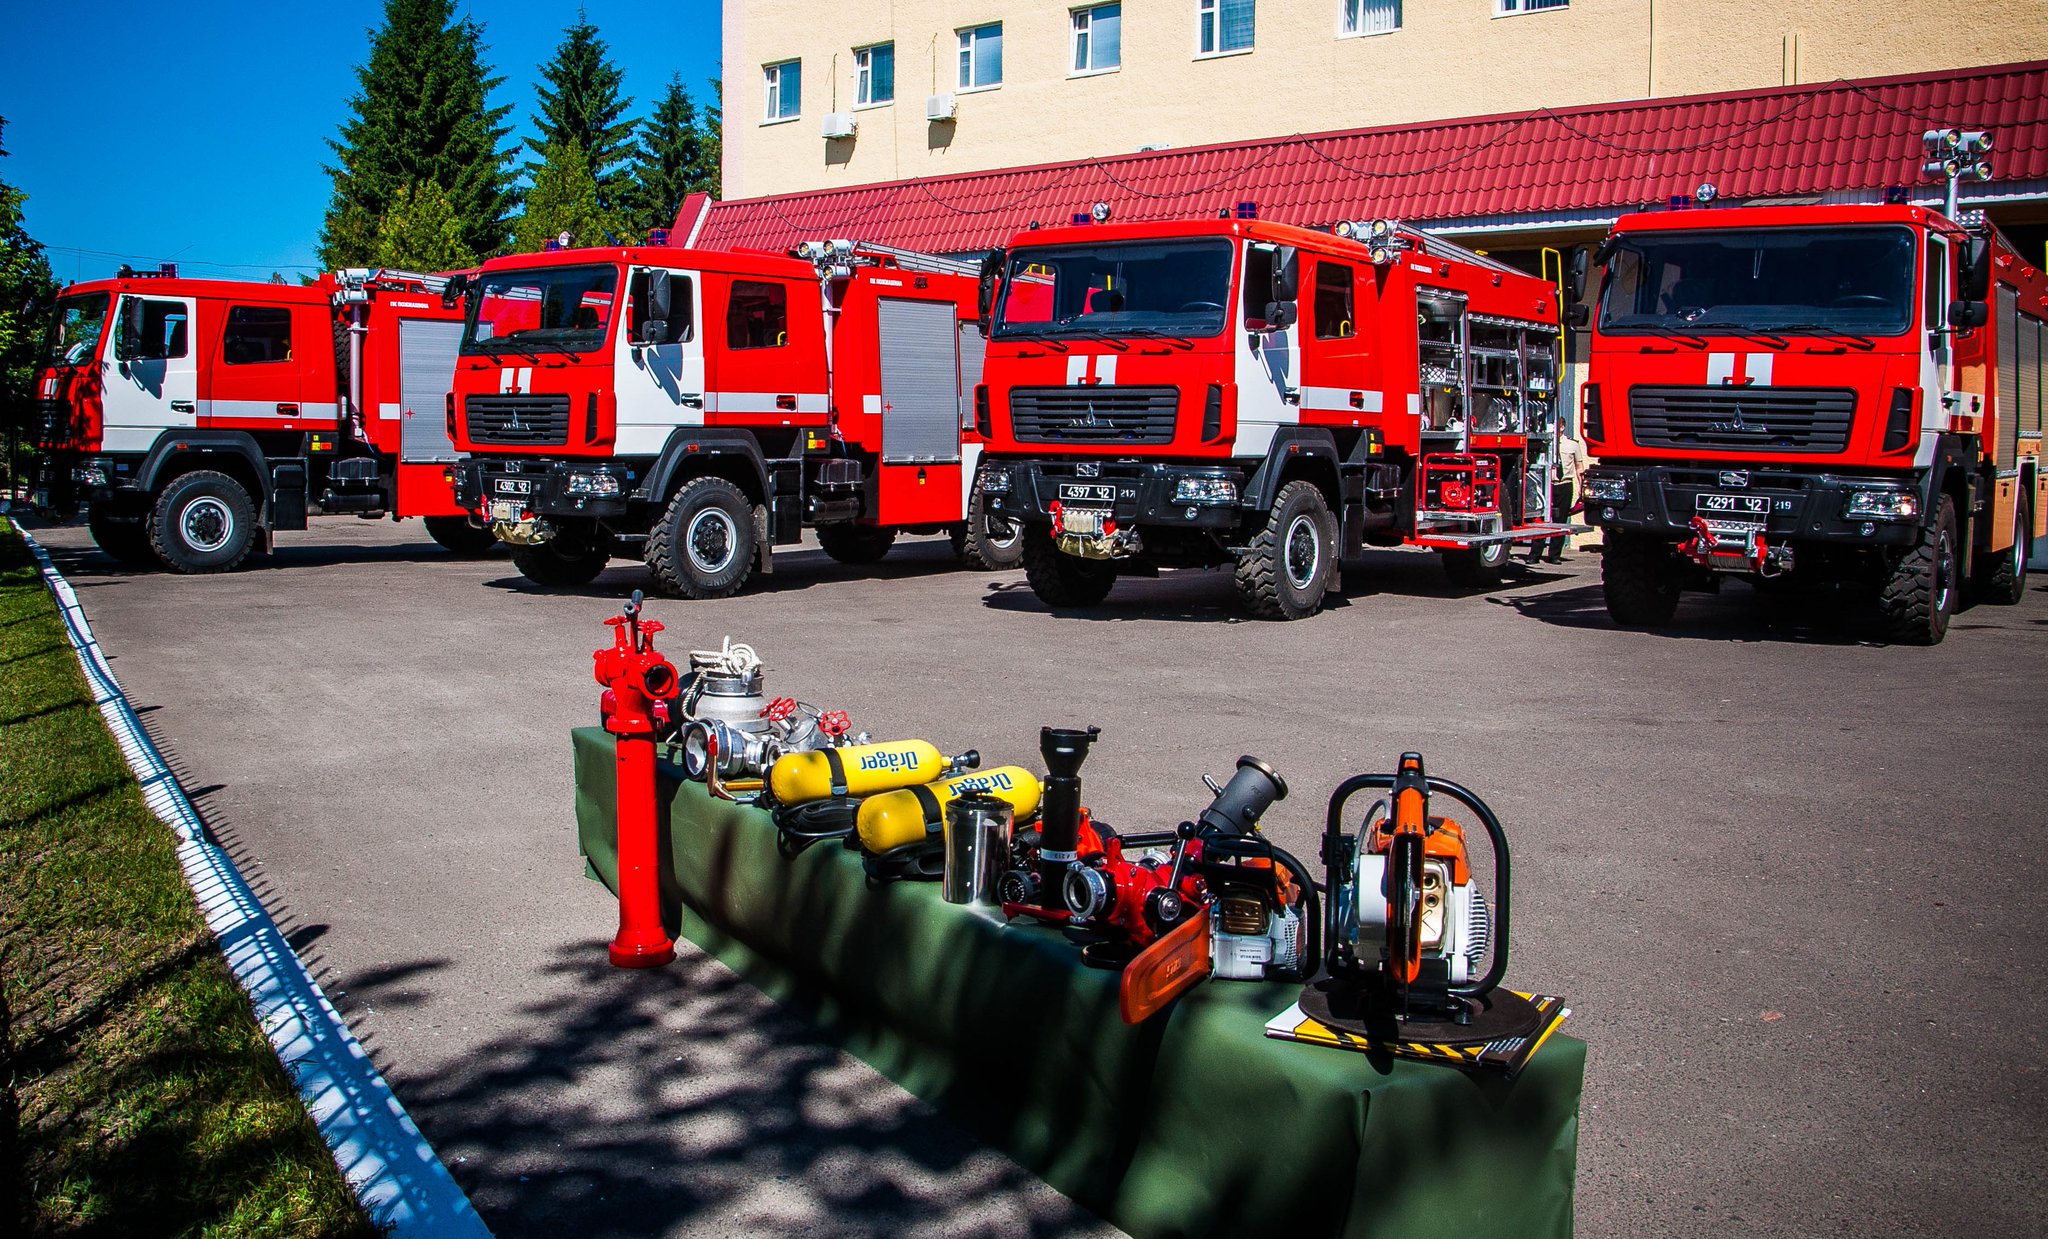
514, 486
506, 510
1082, 492
1752, 506
1086, 522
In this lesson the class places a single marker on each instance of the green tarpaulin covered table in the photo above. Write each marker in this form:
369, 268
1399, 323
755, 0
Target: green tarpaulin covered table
1192, 1124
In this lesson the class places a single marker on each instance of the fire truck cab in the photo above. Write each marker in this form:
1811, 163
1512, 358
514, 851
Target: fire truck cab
1232, 392
707, 406
198, 417
1837, 396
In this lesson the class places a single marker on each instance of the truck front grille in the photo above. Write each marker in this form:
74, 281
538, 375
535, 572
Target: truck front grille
529, 421
1093, 414
1742, 419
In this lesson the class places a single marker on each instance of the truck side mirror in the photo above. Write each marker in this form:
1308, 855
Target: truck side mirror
1577, 285
451, 292
128, 344
1280, 315
660, 294
1286, 274
992, 264
1578, 314
1963, 314
1975, 277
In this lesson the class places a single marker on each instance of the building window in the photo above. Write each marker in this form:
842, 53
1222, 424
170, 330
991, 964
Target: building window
1508, 8
756, 315
981, 57
1224, 26
1369, 17
874, 75
1333, 312
785, 90
1098, 38
256, 334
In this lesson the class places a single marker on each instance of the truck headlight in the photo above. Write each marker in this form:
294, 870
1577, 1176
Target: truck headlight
1606, 489
995, 482
1883, 505
595, 485
1205, 490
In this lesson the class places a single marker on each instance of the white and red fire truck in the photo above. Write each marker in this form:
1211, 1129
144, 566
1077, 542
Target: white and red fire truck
1845, 396
1233, 392
198, 417
707, 406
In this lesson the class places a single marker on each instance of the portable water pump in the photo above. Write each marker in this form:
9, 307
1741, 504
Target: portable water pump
1406, 927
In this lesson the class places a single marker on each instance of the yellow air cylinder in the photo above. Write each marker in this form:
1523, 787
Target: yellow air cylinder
862, 770
893, 819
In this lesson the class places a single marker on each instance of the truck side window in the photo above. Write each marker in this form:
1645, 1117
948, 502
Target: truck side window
257, 334
756, 315
682, 306
1333, 301
1258, 284
1937, 284
164, 333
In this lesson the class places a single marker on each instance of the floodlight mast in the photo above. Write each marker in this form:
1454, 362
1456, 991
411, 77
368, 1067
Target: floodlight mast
1956, 155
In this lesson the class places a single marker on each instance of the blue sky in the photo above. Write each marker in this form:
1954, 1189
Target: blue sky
196, 132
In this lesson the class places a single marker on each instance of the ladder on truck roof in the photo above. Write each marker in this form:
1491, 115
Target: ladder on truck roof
845, 253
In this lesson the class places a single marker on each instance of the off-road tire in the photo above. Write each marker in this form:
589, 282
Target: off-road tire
1919, 594
127, 540
1285, 571
717, 515
1639, 576
1477, 567
988, 543
1060, 579
2002, 581
572, 557
202, 522
849, 543
458, 537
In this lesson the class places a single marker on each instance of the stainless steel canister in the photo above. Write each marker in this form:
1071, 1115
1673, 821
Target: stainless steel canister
977, 847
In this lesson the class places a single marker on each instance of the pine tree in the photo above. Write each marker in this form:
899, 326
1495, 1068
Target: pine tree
421, 114
421, 232
584, 109
26, 292
564, 199
676, 156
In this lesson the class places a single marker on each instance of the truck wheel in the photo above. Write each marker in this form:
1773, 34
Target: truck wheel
1476, 567
1285, 572
458, 537
123, 535
1919, 594
2003, 580
703, 545
856, 544
988, 543
1639, 575
572, 557
203, 522
1060, 579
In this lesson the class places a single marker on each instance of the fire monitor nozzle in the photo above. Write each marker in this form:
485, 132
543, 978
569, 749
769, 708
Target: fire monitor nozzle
1238, 804
1064, 749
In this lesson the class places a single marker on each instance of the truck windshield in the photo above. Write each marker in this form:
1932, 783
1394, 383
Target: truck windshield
1857, 280
547, 310
1145, 287
74, 335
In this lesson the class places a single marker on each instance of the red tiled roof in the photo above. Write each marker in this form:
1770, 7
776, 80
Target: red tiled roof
1842, 136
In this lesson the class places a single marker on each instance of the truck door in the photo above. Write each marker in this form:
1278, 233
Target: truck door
151, 375
1334, 387
426, 374
771, 368
255, 380
659, 383
920, 368
1940, 379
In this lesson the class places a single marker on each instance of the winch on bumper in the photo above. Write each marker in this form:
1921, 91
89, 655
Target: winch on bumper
1753, 514
517, 498
1097, 509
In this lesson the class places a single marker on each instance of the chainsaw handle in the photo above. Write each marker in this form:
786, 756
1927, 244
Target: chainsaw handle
1335, 852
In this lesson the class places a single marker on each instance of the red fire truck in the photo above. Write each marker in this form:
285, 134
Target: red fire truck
1231, 392
709, 406
1844, 396
198, 417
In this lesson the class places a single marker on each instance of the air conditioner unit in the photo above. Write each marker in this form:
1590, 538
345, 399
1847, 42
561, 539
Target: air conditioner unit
940, 107
839, 124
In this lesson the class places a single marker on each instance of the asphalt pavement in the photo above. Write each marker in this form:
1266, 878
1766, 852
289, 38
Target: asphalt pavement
1787, 877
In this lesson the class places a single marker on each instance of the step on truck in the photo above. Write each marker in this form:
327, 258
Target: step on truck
197, 418
1841, 397
1229, 392
702, 407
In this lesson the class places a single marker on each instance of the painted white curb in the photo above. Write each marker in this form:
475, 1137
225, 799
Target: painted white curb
394, 1171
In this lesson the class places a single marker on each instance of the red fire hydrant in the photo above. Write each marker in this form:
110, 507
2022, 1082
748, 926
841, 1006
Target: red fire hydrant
638, 684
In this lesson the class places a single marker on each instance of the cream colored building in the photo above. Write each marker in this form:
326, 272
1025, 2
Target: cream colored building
1015, 82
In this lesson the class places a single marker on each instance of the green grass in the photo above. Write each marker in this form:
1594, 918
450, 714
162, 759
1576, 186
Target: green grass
137, 1095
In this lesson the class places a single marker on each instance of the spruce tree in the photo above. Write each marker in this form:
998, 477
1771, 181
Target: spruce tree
421, 232
671, 160
584, 109
564, 199
421, 113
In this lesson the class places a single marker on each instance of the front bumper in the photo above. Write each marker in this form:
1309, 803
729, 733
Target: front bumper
1133, 494
510, 490
1804, 507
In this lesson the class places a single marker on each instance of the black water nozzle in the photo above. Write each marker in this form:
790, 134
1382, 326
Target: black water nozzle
1238, 804
1059, 825
1064, 749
